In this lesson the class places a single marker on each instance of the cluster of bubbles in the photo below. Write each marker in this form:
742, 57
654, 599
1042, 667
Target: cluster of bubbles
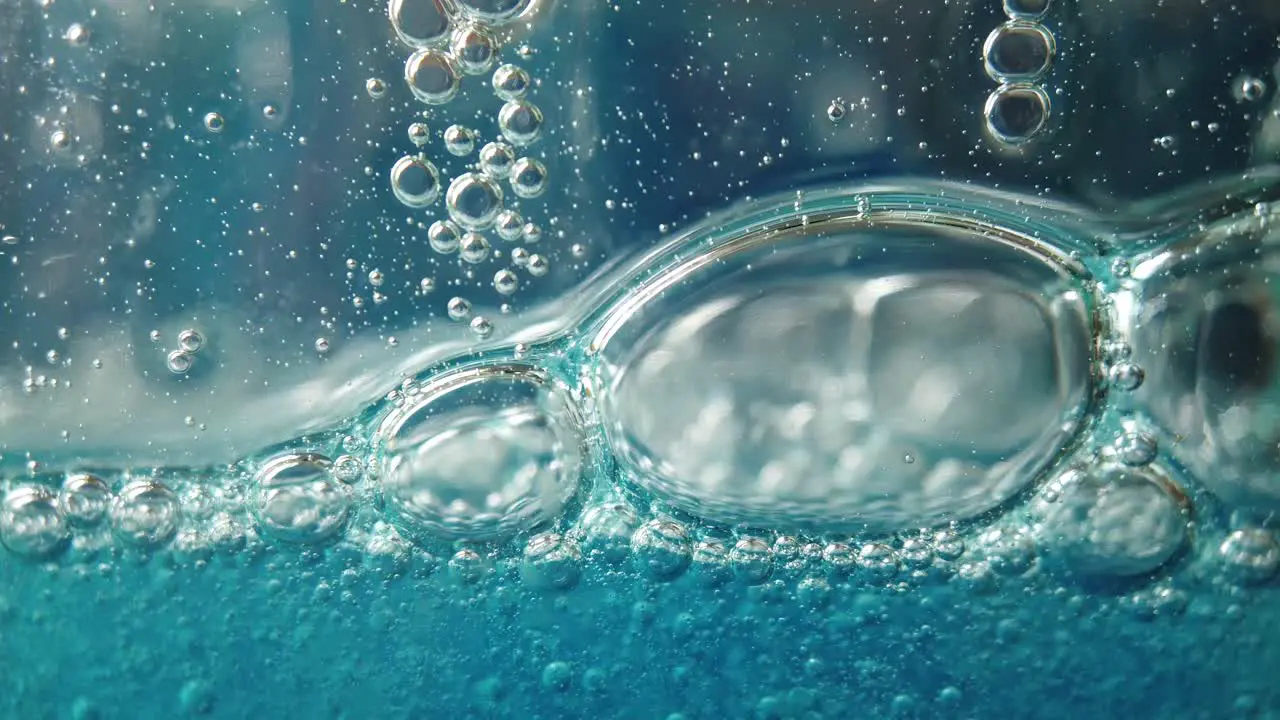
37, 521
1017, 55
450, 42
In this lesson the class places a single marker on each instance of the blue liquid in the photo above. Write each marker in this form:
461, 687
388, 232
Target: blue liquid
819, 391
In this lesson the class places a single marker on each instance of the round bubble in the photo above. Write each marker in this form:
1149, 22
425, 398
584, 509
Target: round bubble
474, 201
1028, 9
508, 225
145, 513
459, 140
481, 453
1017, 113
606, 529
551, 561
419, 23
297, 499
1251, 555
528, 178
1111, 521
431, 77
710, 563
415, 181
1009, 551
30, 523
878, 561
474, 49
494, 12
444, 236
496, 160
84, 500
1018, 50
520, 122
752, 560
661, 549
473, 248
510, 82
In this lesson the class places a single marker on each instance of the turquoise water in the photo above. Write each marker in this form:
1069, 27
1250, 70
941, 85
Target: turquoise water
540, 360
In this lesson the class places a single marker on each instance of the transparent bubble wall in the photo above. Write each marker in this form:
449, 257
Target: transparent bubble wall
546, 358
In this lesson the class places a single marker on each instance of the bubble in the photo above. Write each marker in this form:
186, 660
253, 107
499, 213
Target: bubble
84, 500
77, 35
213, 122
841, 559
661, 549
531, 233
481, 326
444, 236
1251, 555
537, 265
710, 563
468, 566
605, 529
415, 181
557, 676
348, 469
459, 140
520, 122
481, 453
178, 362
528, 178
1009, 551
752, 560
878, 561
298, 500
1136, 448
1016, 113
1250, 89
947, 544
496, 160
508, 225
1127, 376
190, 341
145, 513
60, 139
505, 282
322, 345
377, 278
474, 49
1018, 50
1111, 522
915, 553
30, 523
1026, 8
494, 12
419, 23
431, 77
519, 257
474, 201
419, 135
375, 87
836, 111
551, 561
474, 248
510, 82
458, 308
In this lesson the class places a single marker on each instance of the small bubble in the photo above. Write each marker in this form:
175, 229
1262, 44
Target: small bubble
30, 523
376, 278
322, 345
836, 110
474, 49
528, 178
1018, 51
1136, 448
419, 135
1251, 555
415, 181
1016, 113
557, 676
270, 111
431, 76
519, 257
1127, 376
77, 35
531, 232
444, 236
190, 341
146, 513
474, 201
1250, 89
510, 82
60, 139
474, 248
496, 160
505, 282
508, 225
178, 362
459, 308
1166, 142
537, 265
213, 122
375, 87
481, 326
459, 140
551, 561
347, 469
520, 122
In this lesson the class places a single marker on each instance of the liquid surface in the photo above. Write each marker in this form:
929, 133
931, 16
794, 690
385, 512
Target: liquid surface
517, 358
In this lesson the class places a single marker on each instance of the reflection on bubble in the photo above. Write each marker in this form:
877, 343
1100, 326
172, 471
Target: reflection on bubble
1018, 50
30, 523
415, 181
298, 499
419, 23
431, 77
145, 513
481, 454
1016, 113
84, 500
473, 201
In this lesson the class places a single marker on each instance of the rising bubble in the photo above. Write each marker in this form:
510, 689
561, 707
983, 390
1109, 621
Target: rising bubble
298, 499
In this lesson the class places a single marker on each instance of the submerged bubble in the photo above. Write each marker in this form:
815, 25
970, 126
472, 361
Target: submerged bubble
481, 326
878, 561
520, 122
661, 549
494, 12
1028, 9
431, 77
375, 87
474, 248
481, 453
508, 225
1251, 555
1018, 50
474, 49
752, 560
836, 110
474, 201
84, 500
178, 362
459, 140
505, 282
1136, 448
30, 523
1016, 113
419, 23
213, 122
145, 513
418, 134
510, 82
298, 500
444, 236
551, 561
1250, 89
458, 308
605, 529
415, 181
1127, 376
528, 178
496, 159
190, 341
